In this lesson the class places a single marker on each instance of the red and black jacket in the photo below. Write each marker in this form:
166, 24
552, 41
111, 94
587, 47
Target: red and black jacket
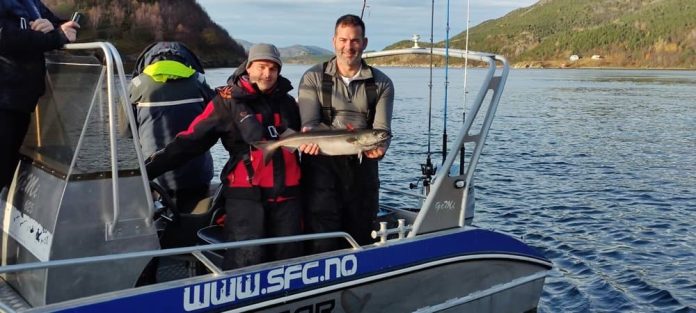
238, 115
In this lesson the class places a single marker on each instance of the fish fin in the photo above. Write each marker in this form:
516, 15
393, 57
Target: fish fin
267, 148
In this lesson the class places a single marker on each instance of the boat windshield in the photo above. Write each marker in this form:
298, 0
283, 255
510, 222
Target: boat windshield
71, 121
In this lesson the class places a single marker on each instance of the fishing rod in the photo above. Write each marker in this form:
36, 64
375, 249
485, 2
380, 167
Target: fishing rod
427, 169
466, 79
444, 126
363, 9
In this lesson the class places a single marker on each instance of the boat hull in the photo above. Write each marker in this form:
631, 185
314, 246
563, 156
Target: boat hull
473, 269
436, 287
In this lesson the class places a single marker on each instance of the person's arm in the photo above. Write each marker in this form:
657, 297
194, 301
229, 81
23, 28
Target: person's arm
384, 107
50, 21
207, 92
309, 98
202, 133
20, 41
245, 122
310, 107
41, 25
383, 115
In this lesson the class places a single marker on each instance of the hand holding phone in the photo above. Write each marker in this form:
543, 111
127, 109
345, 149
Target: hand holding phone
69, 28
76, 17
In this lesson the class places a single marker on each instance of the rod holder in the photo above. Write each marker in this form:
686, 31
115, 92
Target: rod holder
402, 230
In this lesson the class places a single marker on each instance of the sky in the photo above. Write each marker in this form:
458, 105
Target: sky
289, 22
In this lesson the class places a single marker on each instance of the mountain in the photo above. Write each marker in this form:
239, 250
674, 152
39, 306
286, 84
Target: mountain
245, 44
304, 54
299, 50
625, 33
297, 54
131, 25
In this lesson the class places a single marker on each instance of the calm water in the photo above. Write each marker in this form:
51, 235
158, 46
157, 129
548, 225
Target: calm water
595, 168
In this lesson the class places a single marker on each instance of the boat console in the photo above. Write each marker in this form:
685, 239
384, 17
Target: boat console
74, 193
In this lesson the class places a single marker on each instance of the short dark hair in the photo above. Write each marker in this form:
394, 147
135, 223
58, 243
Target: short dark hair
351, 20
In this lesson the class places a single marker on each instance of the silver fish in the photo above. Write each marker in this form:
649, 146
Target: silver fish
330, 142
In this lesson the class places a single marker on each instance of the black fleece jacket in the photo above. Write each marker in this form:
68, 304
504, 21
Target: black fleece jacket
22, 63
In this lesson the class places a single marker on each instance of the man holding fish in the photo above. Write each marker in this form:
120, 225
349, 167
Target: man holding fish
261, 198
341, 192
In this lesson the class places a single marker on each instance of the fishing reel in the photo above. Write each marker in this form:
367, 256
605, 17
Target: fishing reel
427, 171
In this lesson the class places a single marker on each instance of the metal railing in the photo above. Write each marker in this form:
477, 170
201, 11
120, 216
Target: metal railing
112, 60
428, 218
195, 250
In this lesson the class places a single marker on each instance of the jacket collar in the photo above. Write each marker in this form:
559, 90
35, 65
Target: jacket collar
164, 70
364, 73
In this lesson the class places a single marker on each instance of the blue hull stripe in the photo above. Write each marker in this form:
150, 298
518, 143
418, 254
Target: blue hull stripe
237, 291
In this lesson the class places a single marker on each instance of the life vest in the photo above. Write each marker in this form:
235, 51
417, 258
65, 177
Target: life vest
279, 179
167, 50
328, 112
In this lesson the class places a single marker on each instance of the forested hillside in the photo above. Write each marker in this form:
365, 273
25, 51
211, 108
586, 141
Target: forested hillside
133, 24
627, 33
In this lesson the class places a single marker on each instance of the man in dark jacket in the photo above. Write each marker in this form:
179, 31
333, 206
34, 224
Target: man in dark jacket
167, 92
261, 200
27, 30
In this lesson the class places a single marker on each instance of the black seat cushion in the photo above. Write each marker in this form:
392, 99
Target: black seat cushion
211, 234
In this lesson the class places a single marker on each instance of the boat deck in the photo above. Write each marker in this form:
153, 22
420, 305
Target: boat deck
10, 299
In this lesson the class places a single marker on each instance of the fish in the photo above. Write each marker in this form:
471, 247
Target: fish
330, 142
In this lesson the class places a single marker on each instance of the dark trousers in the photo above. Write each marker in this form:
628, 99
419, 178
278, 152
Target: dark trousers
13, 128
341, 194
250, 219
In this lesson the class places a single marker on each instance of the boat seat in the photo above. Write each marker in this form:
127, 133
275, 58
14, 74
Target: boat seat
202, 206
184, 232
210, 235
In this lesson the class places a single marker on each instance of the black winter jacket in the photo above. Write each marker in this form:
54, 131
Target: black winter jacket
22, 63
162, 110
233, 117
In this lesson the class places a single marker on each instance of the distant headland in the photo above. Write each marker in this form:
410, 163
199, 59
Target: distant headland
548, 34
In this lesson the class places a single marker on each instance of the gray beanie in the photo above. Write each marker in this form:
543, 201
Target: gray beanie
264, 51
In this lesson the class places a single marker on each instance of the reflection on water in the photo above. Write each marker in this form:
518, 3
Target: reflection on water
596, 168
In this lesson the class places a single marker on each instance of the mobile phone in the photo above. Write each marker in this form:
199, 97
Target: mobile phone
76, 17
